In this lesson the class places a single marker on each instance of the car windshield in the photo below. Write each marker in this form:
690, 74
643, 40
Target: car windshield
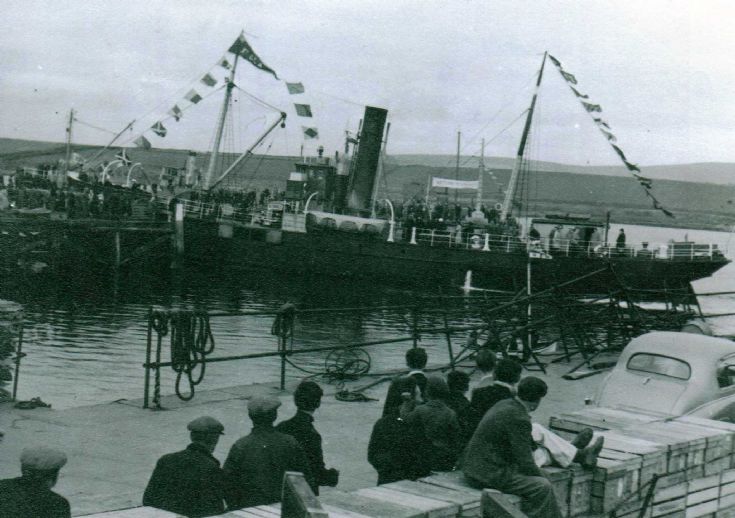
658, 364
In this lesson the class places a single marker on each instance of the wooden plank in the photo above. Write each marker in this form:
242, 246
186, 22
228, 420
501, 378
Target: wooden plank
268, 510
337, 512
702, 509
259, 513
431, 507
134, 512
464, 499
453, 480
676, 505
369, 506
496, 505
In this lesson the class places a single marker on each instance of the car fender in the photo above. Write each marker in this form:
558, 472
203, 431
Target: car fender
722, 409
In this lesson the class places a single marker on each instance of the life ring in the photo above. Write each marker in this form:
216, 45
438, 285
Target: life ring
498, 206
476, 242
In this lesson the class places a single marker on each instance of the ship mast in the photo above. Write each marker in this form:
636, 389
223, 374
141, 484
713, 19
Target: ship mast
510, 191
220, 127
68, 146
480, 175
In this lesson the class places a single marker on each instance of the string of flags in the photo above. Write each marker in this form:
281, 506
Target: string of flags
303, 110
606, 131
241, 48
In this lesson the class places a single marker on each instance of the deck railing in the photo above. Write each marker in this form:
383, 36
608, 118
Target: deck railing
486, 242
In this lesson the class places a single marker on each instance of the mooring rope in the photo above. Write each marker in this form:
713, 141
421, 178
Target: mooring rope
191, 342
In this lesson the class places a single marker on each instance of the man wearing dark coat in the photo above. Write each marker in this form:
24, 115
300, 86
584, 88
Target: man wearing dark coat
459, 384
257, 462
507, 374
30, 495
308, 397
190, 482
500, 453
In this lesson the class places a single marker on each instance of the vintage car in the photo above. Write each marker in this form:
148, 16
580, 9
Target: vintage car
673, 374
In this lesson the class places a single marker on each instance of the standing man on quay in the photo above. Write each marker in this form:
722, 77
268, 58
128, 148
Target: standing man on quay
30, 495
308, 397
257, 462
416, 359
190, 482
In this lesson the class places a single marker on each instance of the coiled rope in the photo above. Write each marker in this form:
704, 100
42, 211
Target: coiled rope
191, 341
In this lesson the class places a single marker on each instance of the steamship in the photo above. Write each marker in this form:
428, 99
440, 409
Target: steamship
326, 226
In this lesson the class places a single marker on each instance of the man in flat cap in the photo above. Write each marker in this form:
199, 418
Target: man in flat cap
308, 397
190, 482
30, 495
257, 462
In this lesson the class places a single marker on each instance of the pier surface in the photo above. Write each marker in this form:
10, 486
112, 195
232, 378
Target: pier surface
113, 447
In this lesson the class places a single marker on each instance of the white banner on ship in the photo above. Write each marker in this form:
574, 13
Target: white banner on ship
453, 184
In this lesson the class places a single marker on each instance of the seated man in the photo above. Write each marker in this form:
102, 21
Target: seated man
190, 482
500, 454
550, 448
308, 397
30, 495
257, 462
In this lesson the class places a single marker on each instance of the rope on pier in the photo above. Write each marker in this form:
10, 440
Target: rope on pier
191, 341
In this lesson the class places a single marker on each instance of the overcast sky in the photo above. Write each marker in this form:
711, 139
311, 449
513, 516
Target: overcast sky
662, 71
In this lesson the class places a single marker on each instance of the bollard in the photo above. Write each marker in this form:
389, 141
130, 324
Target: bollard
413, 236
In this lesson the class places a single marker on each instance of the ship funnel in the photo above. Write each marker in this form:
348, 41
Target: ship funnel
363, 171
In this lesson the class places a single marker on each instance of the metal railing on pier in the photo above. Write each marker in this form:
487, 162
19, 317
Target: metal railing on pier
501, 321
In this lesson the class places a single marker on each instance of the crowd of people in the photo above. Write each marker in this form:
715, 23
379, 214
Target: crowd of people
428, 425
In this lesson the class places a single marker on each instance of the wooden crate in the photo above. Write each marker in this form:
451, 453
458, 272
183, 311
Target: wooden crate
669, 500
568, 425
696, 435
560, 479
580, 491
703, 495
676, 448
374, 508
429, 506
456, 480
469, 505
727, 489
614, 479
720, 442
654, 456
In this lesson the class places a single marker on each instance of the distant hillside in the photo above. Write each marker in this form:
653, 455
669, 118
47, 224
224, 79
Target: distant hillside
710, 172
698, 194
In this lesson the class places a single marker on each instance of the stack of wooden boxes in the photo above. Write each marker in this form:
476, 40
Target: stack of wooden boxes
690, 459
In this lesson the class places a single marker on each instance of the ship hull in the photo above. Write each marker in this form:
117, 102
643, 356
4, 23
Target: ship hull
358, 256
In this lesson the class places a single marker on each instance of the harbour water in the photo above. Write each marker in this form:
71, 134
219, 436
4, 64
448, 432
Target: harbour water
86, 339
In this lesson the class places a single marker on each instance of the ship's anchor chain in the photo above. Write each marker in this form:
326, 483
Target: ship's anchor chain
191, 341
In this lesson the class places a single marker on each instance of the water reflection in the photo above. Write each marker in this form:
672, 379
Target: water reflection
86, 337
